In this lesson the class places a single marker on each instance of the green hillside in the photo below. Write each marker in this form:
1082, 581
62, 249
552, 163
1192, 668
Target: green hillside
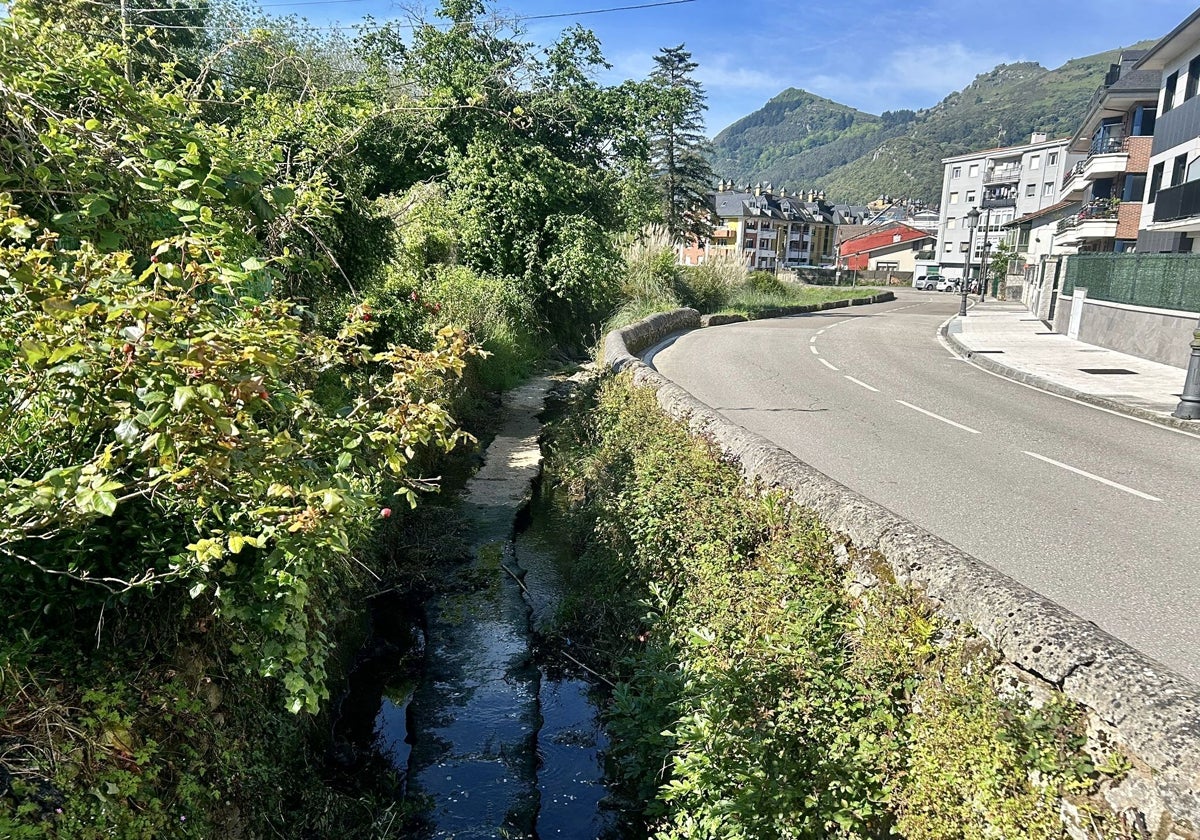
799, 140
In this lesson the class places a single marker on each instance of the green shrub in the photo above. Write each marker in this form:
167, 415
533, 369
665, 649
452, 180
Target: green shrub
755, 696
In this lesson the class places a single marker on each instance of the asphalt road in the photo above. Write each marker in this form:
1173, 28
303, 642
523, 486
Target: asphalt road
1098, 512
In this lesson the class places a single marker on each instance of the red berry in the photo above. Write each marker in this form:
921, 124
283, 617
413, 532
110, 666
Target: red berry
385, 513
366, 316
127, 349
262, 394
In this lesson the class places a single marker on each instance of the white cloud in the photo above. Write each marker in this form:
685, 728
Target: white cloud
913, 77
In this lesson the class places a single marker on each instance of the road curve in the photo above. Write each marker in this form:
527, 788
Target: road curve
1098, 512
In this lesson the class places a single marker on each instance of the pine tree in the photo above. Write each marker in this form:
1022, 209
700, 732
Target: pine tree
679, 165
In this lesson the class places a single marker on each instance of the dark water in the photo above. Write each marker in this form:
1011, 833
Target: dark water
501, 741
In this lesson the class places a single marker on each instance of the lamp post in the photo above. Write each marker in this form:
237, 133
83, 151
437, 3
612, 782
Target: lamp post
1189, 400
983, 265
972, 221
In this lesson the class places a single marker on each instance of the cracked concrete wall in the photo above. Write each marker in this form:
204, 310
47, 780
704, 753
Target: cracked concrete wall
1150, 712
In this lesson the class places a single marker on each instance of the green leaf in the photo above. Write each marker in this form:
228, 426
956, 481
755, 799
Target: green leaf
187, 205
97, 206
253, 264
282, 196
104, 502
236, 543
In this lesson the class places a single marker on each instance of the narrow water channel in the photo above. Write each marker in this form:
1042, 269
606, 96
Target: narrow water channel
492, 732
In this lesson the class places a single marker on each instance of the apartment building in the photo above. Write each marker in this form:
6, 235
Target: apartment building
1004, 184
1170, 215
1114, 139
768, 231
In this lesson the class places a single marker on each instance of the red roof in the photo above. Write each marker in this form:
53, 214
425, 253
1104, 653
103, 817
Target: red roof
864, 243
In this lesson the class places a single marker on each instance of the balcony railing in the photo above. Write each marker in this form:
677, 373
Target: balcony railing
1002, 173
1100, 209
1107, 144
1073, 172
1178, 202
999, 200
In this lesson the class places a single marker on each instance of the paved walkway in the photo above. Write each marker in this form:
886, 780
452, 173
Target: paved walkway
1006, 338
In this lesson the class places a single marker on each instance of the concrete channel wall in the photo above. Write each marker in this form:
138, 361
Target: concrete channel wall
1149, 712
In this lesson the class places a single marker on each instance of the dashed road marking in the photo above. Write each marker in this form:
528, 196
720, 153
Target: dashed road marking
1094, 477
813, 348
861, 383
946, 420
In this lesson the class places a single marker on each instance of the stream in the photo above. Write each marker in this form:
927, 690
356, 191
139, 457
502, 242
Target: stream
494, 739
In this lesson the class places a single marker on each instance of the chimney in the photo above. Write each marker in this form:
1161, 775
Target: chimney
758, 188
1038, 137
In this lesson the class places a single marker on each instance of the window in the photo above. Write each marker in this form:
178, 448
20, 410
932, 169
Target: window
1035, 161
1178, 168
949, 248
951, 223
973, 170
1135, 186
896, 238
1169, 92
962, 246
1052, 159
954, 198
971, 197
1030, 190
1193, 78
956, 172
1156, 177
1048, 188
887, 266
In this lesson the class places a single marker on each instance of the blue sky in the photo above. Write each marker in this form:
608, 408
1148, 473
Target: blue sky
874, 55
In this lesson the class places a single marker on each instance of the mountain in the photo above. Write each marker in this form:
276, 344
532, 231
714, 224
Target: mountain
799, 140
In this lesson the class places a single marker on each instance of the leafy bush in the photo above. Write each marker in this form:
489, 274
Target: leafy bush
172, 412
755, 696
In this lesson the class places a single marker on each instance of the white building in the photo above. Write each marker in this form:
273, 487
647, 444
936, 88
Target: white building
1004, 184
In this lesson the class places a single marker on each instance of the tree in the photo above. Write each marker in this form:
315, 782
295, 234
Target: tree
679, 166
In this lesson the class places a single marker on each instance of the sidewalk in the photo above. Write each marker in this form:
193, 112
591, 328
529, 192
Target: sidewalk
1025, 349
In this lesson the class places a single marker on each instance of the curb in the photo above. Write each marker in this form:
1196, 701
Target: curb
1042, 384
1145, 707
784, 311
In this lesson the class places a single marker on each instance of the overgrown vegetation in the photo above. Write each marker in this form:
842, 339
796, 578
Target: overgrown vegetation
253, 276
653, 282
757, 697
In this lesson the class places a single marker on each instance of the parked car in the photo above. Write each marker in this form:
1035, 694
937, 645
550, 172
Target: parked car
926, 283
946, 285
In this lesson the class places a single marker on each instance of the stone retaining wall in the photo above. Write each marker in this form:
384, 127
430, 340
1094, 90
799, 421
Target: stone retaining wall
1150, 712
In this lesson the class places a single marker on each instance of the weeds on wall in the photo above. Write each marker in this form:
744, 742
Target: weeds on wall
761, 695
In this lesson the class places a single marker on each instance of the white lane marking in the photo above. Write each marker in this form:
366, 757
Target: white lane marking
950, 349
860, 382
813, 349
812, 340
824, 362
820, 332
939, 417
1094, 477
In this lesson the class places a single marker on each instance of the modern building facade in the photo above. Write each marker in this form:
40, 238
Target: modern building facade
1114, 140
1170, 217
1003, 184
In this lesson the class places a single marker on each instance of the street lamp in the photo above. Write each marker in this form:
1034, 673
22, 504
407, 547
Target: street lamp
987, 243
1189, 400
972, 221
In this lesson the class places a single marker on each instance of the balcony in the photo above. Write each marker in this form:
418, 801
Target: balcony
1002, 175
1177, 208
1073, 183
1106, 159
1097, 220
1006, 198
